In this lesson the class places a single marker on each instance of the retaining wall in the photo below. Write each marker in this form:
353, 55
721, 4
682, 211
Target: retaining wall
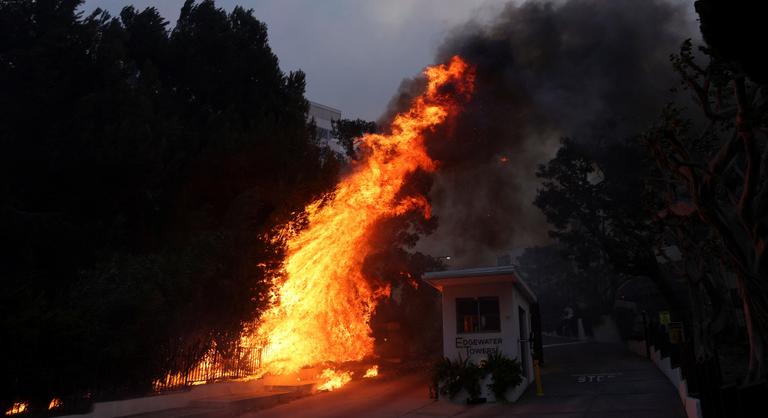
692, 405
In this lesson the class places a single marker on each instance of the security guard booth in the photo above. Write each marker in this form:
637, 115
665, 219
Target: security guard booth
486, 310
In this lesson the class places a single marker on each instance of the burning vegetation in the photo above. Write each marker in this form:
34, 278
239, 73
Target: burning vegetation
372, 372
332, 379
135, 190
322, 303
17, 408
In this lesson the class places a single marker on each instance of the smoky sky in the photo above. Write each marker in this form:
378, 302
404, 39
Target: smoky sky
590, 70
354, 52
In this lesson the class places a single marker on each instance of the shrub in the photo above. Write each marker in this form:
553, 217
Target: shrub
506, 373
451, 376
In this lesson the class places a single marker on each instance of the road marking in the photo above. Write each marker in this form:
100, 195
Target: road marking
594, 377
599, 374
559, 344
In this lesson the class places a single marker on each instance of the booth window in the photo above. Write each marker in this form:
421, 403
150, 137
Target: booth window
478, 315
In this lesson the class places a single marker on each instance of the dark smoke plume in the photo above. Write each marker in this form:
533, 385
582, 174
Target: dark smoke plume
591, 70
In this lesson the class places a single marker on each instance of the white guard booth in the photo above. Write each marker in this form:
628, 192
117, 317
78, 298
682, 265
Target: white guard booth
485, 310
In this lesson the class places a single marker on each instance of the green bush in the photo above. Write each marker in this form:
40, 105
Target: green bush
449, 377
506, 373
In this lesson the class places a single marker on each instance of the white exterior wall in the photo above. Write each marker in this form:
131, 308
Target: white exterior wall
509, 301
323, 115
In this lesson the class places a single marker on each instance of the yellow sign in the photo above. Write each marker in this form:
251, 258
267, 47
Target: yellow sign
664, 317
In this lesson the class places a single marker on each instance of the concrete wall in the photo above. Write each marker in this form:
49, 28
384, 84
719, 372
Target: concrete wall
692, 405
170, 400
509, 301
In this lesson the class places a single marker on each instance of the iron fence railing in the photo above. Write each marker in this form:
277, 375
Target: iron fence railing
214, 367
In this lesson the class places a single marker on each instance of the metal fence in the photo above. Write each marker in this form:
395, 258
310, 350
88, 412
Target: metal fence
214, 367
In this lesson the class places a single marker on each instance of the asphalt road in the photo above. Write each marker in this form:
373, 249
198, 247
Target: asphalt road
591, 380
377, 397
585, 380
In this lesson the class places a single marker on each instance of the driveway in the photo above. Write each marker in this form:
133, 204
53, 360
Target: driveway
591, 380
378, 397
584, 380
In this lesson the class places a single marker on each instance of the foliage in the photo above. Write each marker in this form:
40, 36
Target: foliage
732, 30
593, 196
140, 168
410, 298
346, 131
506, 373
391, 262
451, 376
714, 171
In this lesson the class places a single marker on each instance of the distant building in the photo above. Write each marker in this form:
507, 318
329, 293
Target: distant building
323, 115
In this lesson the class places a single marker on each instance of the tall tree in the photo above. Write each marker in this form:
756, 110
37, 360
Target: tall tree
139, 169
718, 171
593, 197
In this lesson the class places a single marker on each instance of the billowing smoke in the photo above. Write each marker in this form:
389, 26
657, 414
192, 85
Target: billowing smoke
592, 70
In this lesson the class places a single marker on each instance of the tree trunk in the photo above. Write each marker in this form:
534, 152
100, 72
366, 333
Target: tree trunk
755, 335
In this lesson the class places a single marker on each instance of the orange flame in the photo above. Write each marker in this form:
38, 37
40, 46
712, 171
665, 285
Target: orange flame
54, 404
322, 303
331, 379
372, 372
17, 408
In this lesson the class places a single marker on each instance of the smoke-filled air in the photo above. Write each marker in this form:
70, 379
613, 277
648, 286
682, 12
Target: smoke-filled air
586, 69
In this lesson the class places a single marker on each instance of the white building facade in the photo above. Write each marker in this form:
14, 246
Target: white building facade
323, 115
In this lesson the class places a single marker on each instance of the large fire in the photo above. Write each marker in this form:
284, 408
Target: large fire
322, 303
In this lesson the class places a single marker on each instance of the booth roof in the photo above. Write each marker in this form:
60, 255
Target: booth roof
440, 279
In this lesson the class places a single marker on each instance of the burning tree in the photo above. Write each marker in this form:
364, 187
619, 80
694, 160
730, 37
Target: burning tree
323, 302
348, 131
139, 167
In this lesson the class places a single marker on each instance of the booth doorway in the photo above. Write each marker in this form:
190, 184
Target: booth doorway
524, 346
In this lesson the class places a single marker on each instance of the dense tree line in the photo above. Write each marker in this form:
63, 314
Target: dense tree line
595, 198
141, 166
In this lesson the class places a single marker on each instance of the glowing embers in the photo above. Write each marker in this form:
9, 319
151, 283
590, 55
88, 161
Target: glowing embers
372, 372
54, 404
23, 407
17, 408
331, 379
